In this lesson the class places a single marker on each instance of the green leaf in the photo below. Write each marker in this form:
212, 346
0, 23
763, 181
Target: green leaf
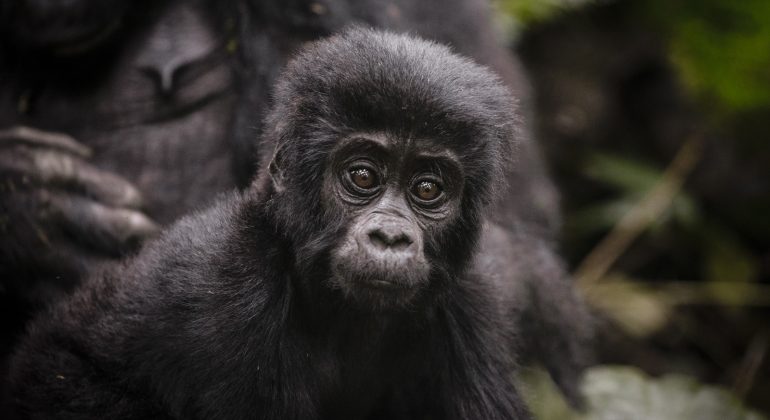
628, 175
722, 48
598, 217
531, 11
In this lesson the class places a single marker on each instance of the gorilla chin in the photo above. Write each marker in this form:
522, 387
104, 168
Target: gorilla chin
387, 283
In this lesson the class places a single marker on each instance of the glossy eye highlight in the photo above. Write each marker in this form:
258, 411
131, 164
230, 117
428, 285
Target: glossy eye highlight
426, 190
363, 178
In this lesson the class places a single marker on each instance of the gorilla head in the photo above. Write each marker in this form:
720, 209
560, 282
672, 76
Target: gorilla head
387, 148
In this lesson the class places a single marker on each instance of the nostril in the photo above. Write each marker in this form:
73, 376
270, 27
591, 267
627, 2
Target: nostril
401, 242
382, 240
378, 239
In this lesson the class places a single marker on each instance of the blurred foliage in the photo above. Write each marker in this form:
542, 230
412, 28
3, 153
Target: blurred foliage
632, 179
531, 11
690, 291
726, 260
641, 309
516, 15
722, 48
616, 392
635, 307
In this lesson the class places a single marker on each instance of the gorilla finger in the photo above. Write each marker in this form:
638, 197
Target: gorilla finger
53, 168
107, 229
37, 138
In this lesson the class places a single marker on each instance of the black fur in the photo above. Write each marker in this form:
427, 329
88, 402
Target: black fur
74, 67
229, 314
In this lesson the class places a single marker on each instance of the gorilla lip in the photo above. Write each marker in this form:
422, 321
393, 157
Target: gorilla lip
384, 293
384, 285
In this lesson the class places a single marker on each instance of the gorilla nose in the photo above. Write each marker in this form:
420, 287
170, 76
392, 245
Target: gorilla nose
386, 237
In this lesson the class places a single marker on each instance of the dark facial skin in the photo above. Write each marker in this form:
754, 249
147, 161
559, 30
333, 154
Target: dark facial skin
393, 196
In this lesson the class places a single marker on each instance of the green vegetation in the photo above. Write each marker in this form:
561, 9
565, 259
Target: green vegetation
722, 48
531, 11
671, 247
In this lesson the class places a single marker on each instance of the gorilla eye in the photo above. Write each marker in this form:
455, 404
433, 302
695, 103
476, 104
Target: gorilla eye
426, 190
363, 178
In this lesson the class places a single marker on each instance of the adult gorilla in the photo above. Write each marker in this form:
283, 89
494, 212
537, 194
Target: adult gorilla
144, 110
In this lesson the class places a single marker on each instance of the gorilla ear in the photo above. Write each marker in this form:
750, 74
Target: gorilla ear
275, 168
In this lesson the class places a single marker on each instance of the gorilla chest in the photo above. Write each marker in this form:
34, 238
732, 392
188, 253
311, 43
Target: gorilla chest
361, 379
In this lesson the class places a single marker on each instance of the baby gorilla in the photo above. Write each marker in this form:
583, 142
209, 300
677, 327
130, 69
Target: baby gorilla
341, 285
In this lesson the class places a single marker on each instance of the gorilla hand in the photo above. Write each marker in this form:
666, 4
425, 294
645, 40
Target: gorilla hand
58, 213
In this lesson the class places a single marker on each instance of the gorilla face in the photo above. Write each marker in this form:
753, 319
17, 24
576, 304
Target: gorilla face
397, 195
384, 162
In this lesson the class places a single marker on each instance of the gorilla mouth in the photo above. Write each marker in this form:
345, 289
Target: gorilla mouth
384, 285
377, 280
380, 292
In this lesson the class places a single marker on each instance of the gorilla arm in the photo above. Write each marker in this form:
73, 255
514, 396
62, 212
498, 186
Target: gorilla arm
553, 324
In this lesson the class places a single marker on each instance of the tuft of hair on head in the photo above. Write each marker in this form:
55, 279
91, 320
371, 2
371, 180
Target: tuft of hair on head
362, 78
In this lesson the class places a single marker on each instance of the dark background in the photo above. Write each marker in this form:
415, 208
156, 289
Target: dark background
654, 118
